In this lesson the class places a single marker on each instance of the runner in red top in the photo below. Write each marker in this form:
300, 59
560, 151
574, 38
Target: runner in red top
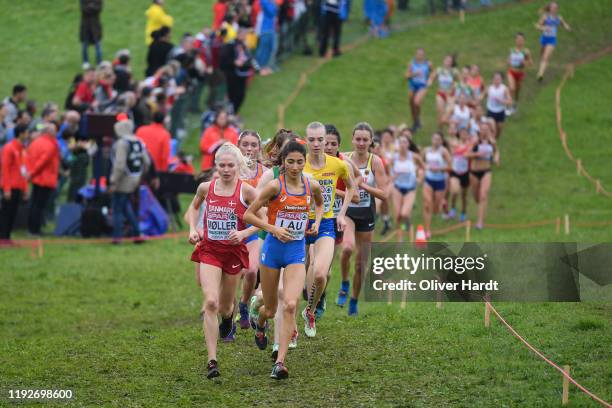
221, 251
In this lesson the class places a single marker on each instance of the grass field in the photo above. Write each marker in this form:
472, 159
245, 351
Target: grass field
119, 325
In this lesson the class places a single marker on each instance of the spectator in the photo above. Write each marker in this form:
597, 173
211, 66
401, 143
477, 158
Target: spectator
23, 118
43, 159
219, 11
78, 168
3, 128
237, 65
130, 162
142, 110
267, 35
104, 95
20, 93
333, 12
14, 183
184, 164
214, 136
156, 19
202, 67
157, 141
83, 98
91, 29
123, 73
158, 52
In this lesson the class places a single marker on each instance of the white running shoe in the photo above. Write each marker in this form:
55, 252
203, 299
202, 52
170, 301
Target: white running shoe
310, 329
293, 340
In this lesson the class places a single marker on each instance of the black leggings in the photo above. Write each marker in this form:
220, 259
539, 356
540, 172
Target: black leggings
331, 23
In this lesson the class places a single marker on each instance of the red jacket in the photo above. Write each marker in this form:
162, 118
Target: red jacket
157, 140
43, 161
13, 167
211, 140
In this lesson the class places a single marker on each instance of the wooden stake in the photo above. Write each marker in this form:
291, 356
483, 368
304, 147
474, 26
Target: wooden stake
579, 166
400, 235
565, 396
411, 233
404, 296
389, 297
558, 226
41, 251
567, 224
487, 314
439, 297
598, 186
468, 228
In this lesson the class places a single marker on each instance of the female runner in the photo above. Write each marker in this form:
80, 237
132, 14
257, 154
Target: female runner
518, 61
549, 23
289, 201
386, 152
437, 163
460, 176
447, 76
249, 143
417, 74
360, 223
483, 154
221, 251
498, 99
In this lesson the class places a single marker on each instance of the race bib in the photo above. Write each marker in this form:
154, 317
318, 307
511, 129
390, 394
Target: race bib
327, 192
294, 222
364, 199
460, 164
337, 206
219, 225
550, 31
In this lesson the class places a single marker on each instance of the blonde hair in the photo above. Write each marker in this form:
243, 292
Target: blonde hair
232, 149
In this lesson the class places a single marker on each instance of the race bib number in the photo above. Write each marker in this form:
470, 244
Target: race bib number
337, 206
364, 199
219, 225
294, 222
550, 31
327, 192
460, 165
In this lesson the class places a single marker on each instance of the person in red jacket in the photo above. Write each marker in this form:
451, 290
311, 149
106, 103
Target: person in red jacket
43, 159
214, 136
157, 141
14, 183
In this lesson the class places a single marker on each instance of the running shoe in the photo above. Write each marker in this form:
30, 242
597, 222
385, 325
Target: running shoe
274, 352
261, 340
451, 214
213, 369
352, 310
509, 112
321, 307
386, 227
462, 217
253, 312
479, 227
244, 315
279, 371
344, 288
310, 328
293, 340
427, 234
225, 334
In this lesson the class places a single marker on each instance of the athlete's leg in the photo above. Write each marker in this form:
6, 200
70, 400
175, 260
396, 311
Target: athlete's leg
428, 197
362, 250
418, 101
348, 247
210, 276
293, 281
278, 317
324, 248
475, 184
464, 193
512, 85
407, 205
498, 129
269, 278
396, 197
546, 53
441, 109
438, 200
454, 190
250, 274
485, 185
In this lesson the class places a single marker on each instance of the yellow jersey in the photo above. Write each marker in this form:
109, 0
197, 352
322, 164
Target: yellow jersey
327, 176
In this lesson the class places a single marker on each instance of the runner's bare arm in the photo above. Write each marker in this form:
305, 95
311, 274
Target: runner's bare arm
254, 216
350, 191
250, 195
564, 24
193, 211
318, 199
356, 175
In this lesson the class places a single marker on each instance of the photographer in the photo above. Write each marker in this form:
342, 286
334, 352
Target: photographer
238, 65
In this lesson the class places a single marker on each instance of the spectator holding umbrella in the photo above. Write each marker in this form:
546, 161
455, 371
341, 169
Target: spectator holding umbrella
91, 29
14, 183
156, 19
214, 136
43, 167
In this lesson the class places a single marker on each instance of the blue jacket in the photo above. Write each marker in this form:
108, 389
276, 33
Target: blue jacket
269, 10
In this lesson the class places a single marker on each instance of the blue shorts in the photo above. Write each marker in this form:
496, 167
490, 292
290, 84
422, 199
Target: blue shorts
404, 190
544, 41
251, 237
276, 254
436, 185
416, 86
326, 229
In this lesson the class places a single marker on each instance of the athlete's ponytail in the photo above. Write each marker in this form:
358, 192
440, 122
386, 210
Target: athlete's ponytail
233, 150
